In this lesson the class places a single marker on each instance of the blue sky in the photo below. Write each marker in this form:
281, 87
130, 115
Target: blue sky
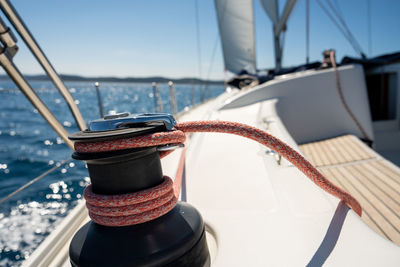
158, 37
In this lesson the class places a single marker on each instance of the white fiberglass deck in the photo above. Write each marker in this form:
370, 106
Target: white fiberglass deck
262, 211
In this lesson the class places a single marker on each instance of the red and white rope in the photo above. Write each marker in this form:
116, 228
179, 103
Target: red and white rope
132, 208
121, 212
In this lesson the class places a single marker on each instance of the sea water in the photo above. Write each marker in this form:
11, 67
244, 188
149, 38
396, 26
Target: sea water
29, 147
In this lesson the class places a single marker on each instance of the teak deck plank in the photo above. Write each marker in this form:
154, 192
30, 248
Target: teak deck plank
329, 153
317, 159
346, 157
356, 168
368, 206
379, 184
335, 153
365, 216
375, 198
310, 154
388, 169
352, 148
383, 176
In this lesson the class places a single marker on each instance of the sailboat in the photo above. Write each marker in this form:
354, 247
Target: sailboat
257, 208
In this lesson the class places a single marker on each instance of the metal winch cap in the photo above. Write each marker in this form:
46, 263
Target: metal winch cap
125, 124
126, 120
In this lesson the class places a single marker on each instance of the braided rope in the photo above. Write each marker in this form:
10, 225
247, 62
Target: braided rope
154, 139
131, 208
278, 146
139, 207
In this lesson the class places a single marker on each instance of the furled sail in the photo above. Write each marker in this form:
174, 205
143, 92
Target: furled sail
236, 27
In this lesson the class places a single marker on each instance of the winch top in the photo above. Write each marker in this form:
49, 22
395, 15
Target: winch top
126, 120
123, 125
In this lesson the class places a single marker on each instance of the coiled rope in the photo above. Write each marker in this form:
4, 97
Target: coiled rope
146, 205
133, 208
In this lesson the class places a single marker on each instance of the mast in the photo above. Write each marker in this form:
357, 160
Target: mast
278, 25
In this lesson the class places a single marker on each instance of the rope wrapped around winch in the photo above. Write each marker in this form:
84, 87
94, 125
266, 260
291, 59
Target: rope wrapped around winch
121, 210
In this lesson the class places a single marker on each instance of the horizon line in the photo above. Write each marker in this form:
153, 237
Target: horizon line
159, 79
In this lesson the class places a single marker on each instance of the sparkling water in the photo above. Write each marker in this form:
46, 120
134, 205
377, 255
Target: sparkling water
29, 147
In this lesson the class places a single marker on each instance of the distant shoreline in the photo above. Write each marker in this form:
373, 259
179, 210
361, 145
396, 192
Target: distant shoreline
157, 79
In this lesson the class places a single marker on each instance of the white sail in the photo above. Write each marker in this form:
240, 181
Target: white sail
236, 26
271, 8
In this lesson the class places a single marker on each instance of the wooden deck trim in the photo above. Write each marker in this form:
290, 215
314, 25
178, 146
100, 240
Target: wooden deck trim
359, 170
366, 213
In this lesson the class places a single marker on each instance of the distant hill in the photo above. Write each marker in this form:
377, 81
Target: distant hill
156, 79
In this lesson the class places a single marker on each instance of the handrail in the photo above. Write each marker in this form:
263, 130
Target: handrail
101, 110
158, 106
23, 31
174, 107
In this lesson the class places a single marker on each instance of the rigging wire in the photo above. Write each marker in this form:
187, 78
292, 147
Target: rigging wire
34, 180
336, 2
307, 31
344, 24
369, 27
206, 86
345, 33
353, 40
198, 42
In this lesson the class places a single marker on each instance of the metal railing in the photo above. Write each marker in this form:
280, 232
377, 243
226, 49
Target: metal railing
158, 105
174, 107
100, 103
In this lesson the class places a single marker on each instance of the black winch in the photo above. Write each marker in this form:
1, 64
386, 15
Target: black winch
174, 239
